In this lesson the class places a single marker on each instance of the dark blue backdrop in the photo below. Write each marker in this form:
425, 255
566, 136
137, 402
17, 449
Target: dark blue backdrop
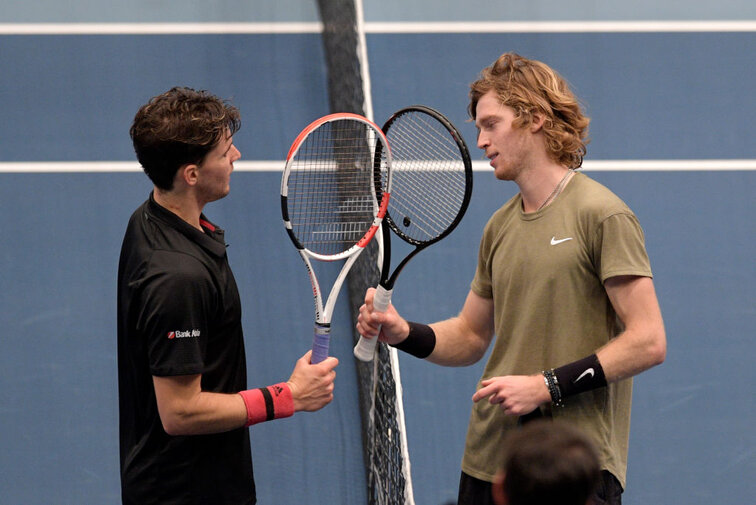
668, 96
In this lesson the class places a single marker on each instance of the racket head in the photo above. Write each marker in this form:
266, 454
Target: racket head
336, 185
431, 175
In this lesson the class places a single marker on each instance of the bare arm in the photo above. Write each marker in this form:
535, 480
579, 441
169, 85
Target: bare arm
187, 410
643, 344
463, 340
460, 341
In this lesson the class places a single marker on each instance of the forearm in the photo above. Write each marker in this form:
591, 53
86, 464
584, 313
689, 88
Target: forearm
185, 409
443, 343
629, 354
203, 413
463, 340
457, 344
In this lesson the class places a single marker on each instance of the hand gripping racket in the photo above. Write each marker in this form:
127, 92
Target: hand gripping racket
431, 188
334, 193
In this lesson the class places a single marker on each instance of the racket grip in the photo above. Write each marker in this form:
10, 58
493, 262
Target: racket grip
320, 342
365, 348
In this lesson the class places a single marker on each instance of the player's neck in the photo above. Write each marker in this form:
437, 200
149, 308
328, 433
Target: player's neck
180, 203
542, 185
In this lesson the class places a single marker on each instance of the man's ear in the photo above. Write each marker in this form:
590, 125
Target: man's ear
536, 123
189, 173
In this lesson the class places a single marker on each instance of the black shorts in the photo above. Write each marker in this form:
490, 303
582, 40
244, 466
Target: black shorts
474, 491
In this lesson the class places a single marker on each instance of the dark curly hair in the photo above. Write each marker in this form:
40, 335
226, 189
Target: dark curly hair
179, 127
530, 87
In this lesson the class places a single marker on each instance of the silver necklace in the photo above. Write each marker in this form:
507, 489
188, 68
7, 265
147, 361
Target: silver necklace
557, 189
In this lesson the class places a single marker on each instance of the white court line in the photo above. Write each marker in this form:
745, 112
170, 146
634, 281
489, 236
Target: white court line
479, 166
377, 27
118, 166
667, 165
155, 28
563, 27
652, 165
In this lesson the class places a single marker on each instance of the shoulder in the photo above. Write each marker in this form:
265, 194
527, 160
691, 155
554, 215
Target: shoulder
153, 250
592, 204
178, 263
169, 277
595, 197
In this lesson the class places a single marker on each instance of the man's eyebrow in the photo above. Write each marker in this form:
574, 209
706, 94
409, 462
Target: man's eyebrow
482, 118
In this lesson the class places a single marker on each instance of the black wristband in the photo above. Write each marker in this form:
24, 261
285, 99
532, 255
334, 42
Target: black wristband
580, 376
420, 342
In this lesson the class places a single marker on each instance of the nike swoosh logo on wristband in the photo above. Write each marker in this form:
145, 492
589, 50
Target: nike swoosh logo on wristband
587, 372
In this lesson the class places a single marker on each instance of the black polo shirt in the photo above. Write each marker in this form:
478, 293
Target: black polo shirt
179, 313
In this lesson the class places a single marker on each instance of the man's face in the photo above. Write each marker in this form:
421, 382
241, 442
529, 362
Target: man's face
507, 147
215, 170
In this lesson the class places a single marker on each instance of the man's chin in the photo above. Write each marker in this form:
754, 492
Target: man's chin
219, 196
503, 175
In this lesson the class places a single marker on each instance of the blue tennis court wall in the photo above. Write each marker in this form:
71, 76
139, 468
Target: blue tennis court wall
676, 96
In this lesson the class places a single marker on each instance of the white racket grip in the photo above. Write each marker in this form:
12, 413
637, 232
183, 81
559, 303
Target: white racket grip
365, 348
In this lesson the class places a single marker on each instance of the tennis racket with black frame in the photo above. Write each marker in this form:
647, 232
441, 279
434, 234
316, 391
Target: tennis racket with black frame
431, 189
335, 191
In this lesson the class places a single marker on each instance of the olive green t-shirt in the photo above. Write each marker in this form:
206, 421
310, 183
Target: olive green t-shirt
545, 272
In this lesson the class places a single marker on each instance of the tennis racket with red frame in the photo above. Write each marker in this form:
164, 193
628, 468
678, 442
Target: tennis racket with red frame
335, 191
431, 186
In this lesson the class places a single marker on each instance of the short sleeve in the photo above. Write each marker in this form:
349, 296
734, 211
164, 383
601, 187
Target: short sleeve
176, 304
482, 284
619, 247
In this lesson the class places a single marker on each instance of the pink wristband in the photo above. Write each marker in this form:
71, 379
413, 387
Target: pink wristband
266, 404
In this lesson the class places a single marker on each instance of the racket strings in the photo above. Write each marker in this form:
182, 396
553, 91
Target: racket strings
331, 197
429, 181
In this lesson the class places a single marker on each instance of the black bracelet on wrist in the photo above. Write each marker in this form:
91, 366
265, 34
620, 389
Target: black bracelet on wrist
552, 383
420, 342
580, 376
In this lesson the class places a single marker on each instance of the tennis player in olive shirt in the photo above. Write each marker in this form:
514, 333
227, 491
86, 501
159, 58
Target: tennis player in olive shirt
563, 281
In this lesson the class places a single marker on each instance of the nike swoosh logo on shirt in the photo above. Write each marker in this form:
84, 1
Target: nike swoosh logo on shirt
587, 372
554, 240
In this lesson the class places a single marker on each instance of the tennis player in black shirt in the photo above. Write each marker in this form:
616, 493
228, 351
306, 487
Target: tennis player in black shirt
183, 398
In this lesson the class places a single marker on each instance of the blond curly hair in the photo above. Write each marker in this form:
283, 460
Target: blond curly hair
530, 87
